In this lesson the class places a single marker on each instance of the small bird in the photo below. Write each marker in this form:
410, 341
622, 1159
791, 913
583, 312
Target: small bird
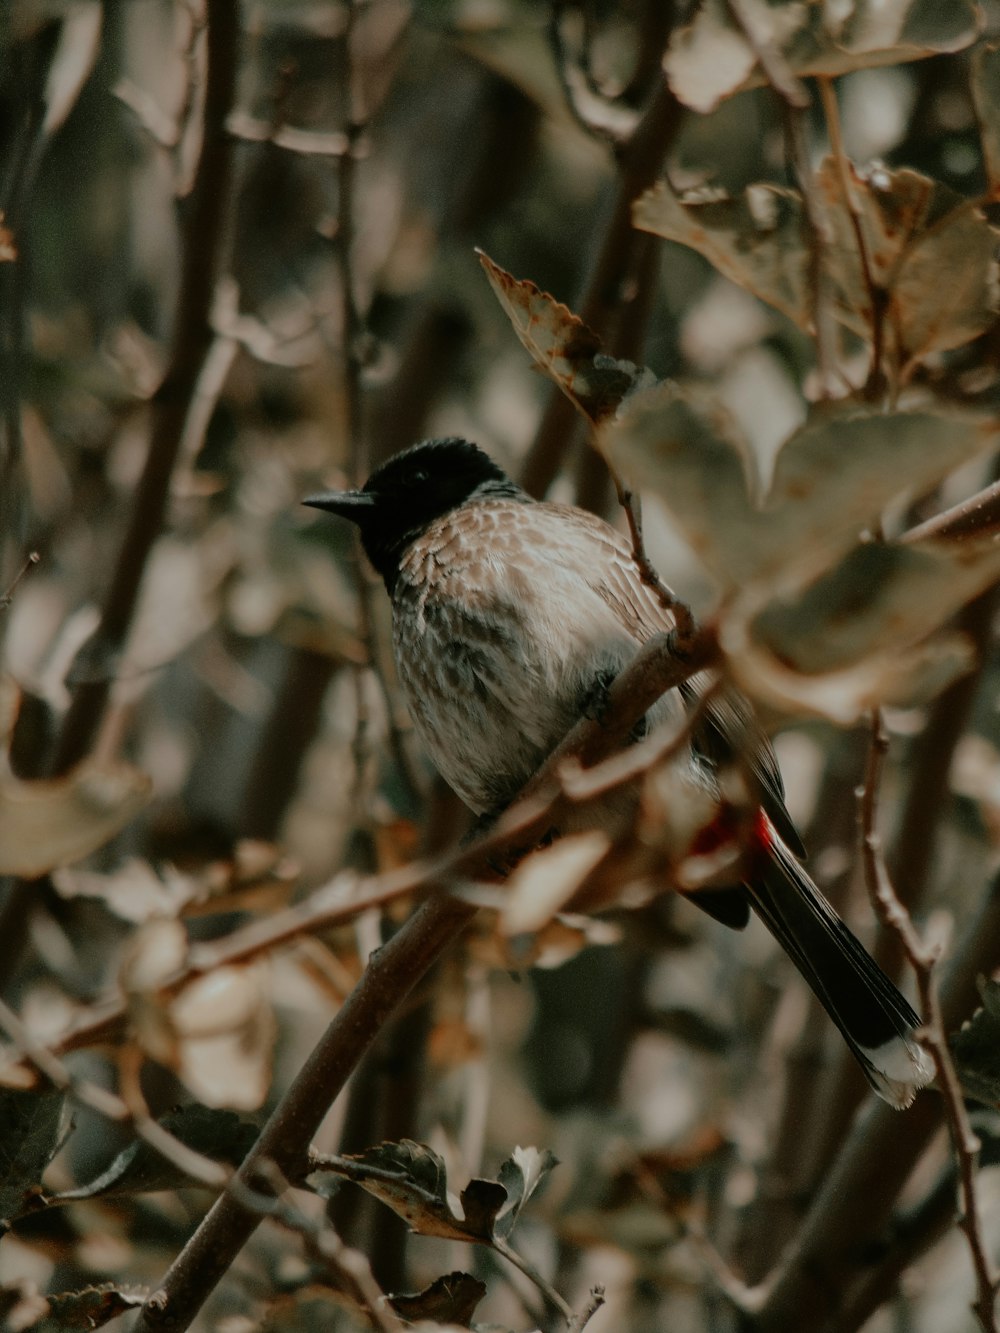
508, 615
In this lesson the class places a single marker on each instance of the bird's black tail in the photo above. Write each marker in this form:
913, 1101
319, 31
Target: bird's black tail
877, 1022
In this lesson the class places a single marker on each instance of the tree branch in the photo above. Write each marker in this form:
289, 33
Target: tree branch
850, 1211
392, 973
934, 1037
203, 215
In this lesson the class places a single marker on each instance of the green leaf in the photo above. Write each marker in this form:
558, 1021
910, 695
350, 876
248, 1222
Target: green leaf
29, 1139
139, 1169
976, 1047
832, 477
883, 597
451, 1299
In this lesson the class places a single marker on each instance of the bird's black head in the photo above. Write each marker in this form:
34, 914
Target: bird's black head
407, 493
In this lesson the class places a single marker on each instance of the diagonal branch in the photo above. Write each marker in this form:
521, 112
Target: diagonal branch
922, 959
391, 975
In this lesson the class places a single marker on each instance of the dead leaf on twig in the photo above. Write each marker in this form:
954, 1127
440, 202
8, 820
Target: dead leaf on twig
563, 346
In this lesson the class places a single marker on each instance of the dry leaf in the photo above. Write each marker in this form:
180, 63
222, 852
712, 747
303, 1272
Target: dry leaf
563, 346
546, 880
224, 1029
51, 823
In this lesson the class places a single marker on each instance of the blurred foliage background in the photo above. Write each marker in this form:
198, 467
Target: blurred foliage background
237, 265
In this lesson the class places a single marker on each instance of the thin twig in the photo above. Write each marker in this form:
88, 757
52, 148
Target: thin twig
771, 59
7, 597
741, 1297
595, 1299
876, 294
974, 519
655, 669
685, 625
529, 1270
933, 1037
823, 326
322, 1242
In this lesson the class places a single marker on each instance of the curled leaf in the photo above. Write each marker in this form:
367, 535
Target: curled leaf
412, 1180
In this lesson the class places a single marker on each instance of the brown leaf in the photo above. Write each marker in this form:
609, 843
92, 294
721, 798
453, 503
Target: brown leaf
225, 1030
449, 1299
546, 880
411, 1179
563, 346
51, 823
758, 241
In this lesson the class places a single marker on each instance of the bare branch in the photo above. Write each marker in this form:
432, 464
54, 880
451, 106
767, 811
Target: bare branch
392, 973
934, 1037
7, 597
876, 296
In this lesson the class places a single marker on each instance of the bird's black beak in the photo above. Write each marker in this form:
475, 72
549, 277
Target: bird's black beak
354, 505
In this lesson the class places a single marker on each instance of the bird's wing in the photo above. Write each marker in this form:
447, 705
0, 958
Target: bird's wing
730, 726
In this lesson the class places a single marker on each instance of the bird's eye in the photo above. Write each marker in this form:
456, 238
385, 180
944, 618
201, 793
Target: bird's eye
419, 477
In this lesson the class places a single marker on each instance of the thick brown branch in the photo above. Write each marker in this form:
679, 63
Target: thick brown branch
390, 976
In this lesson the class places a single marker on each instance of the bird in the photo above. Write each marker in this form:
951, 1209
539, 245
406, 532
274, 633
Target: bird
508, 614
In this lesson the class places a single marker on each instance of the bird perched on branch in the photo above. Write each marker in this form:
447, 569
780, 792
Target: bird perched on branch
508, 613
